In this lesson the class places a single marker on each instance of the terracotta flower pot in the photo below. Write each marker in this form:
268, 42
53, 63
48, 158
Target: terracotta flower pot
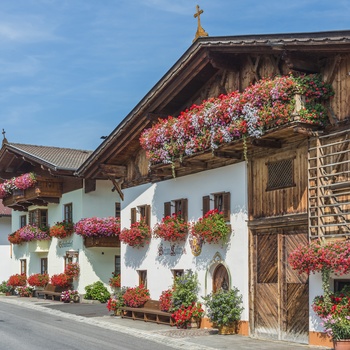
343, 344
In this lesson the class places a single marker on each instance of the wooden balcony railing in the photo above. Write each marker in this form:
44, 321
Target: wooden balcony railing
45, 191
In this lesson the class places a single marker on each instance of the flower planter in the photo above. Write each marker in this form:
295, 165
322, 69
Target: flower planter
343, 344
39, 246
111, 241
229, 329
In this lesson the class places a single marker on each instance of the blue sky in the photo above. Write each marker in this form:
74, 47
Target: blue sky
71, 70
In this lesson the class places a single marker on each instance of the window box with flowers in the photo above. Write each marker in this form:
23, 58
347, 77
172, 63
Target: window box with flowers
72, 270
211, 228
235, 116
333, 309
17, 183
137, 235
136, 297
38, 238
62, 229
99, 232
114, 281
172, 228
15, 238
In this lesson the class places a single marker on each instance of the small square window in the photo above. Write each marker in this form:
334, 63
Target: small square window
280, 174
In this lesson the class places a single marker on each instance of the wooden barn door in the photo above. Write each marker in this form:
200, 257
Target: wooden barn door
280, 297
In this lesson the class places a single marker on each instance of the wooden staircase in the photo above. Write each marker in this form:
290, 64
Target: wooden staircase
329, 185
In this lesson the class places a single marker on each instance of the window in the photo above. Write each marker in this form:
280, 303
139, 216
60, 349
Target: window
23, 263
143, 277
340, 284
178, 207
220, 201
43, 265
117, 264
117, 210
68, 212
141, 213
23, 220
177, 273
38, 217
280, 174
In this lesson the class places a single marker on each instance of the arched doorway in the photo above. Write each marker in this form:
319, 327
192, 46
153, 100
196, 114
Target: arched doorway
220, 278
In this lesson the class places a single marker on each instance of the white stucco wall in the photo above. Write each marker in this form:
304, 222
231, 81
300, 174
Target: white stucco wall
234, 255
8, 265
96, 264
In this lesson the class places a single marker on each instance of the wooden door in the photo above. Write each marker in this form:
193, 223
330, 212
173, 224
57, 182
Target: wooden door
280, 297
220, 278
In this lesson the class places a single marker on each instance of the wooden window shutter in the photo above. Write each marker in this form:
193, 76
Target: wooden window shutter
133, 215
206, 204
167, 209
148, 215
226, 205
184, 206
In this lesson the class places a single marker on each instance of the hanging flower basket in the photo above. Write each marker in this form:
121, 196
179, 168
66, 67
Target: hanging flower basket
211, 228
72, 270
137, 235
172, 228
114, 281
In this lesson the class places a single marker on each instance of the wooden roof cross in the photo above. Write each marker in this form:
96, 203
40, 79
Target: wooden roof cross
200, 31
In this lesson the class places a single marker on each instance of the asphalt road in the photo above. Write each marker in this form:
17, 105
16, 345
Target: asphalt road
26, 329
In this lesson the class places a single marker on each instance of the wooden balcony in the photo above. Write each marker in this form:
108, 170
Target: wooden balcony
45, 191
105, 242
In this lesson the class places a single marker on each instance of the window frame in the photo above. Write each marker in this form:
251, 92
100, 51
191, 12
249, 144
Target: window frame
43, 263
23, 266
68, 212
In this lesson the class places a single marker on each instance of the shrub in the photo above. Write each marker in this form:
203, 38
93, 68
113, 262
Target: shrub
185, 290
136, 297
97, 291
4, 288
224, 307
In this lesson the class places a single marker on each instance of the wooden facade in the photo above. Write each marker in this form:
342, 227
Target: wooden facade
298, 176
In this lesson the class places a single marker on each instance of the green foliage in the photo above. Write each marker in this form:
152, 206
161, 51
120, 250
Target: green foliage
185, 290
224, 307
4, 288
97, 291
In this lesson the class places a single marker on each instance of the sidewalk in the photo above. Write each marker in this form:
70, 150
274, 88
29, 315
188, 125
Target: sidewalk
190, 339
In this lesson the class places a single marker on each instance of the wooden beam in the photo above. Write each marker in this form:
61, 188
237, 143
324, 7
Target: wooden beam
199, 164
90, 185
117, 186
228, 154
220, 62
113, 170
268, 143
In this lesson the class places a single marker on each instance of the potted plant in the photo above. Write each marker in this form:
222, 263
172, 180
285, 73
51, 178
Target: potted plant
61, 280
335, 316
38, 280
116, 302
165, 300
137, 296
137, 235
62, 229
114, 281
25, 291
72, 270
224, 309
17, 280
70, 295
188, 316
4, 288
211, 228
172, 228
